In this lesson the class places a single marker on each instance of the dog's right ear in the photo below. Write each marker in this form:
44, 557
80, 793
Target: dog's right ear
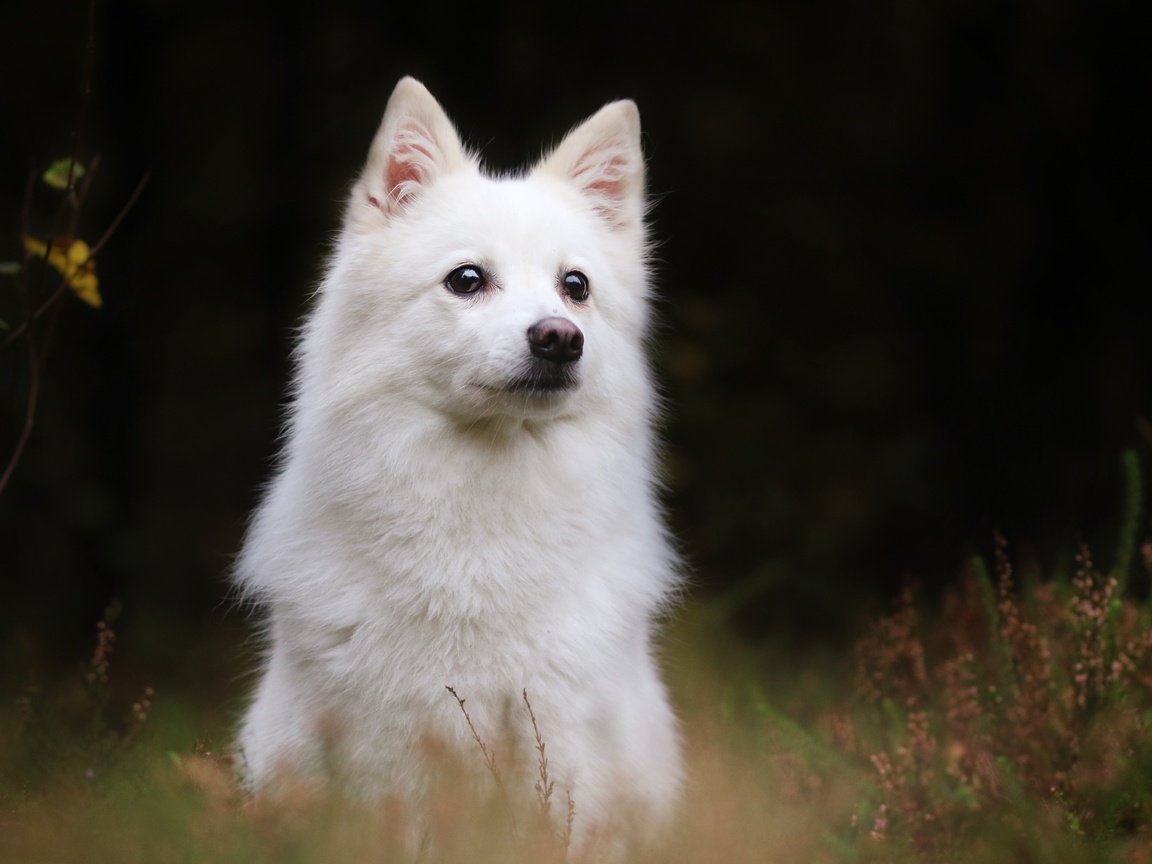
416, 144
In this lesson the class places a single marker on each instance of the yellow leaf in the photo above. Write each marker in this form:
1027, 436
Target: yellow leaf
34, 246
75, 263
78, 252
86, 286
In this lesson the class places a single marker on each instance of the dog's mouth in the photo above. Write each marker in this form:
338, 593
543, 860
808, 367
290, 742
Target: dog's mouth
539, 379
542, 379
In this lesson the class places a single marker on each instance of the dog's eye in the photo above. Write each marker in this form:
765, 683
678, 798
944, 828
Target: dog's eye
466, 279
576, 285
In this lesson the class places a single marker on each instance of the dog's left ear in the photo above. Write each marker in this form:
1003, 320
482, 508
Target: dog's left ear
603, 159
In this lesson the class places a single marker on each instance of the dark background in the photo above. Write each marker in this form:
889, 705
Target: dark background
904, 276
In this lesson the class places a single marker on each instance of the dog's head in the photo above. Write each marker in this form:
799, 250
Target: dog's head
479, 296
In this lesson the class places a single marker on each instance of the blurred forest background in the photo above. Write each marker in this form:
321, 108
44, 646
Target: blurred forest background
904, 277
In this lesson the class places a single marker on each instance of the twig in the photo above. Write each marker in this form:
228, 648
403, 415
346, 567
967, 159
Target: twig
33, 359
75, 198
115, 223
81, 126
26, 203
60, 290
29, 408
489, 761
37, 313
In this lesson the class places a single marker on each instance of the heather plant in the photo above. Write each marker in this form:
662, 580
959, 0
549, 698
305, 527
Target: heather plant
1010, 725
1025, 707
76, 731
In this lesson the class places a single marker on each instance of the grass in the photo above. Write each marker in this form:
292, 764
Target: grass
1007, 721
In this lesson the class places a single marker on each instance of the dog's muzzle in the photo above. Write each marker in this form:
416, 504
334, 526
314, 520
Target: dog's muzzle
555, 345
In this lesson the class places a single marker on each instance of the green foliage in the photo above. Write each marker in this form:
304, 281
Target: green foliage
62, 174
1130, 518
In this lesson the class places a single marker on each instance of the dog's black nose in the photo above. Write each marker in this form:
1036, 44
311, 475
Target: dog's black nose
556, 339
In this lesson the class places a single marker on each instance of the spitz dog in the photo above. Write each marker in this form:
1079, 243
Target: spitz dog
466, 492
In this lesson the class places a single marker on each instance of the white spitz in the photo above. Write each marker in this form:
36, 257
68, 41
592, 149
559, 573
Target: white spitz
465, 495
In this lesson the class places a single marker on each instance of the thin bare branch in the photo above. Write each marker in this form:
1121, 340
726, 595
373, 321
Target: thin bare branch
115, 223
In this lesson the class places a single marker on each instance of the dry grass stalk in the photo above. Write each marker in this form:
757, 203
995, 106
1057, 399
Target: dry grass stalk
544, 784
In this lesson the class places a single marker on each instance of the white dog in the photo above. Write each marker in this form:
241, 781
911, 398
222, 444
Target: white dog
466, 494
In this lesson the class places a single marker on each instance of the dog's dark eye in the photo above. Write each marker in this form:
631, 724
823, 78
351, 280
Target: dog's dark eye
576, 285
466, 279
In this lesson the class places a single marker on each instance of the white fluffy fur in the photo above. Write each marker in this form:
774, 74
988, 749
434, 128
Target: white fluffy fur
426, 528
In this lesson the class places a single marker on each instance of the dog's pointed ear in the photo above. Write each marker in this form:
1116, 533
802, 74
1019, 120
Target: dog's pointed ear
416, 144
603, 159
